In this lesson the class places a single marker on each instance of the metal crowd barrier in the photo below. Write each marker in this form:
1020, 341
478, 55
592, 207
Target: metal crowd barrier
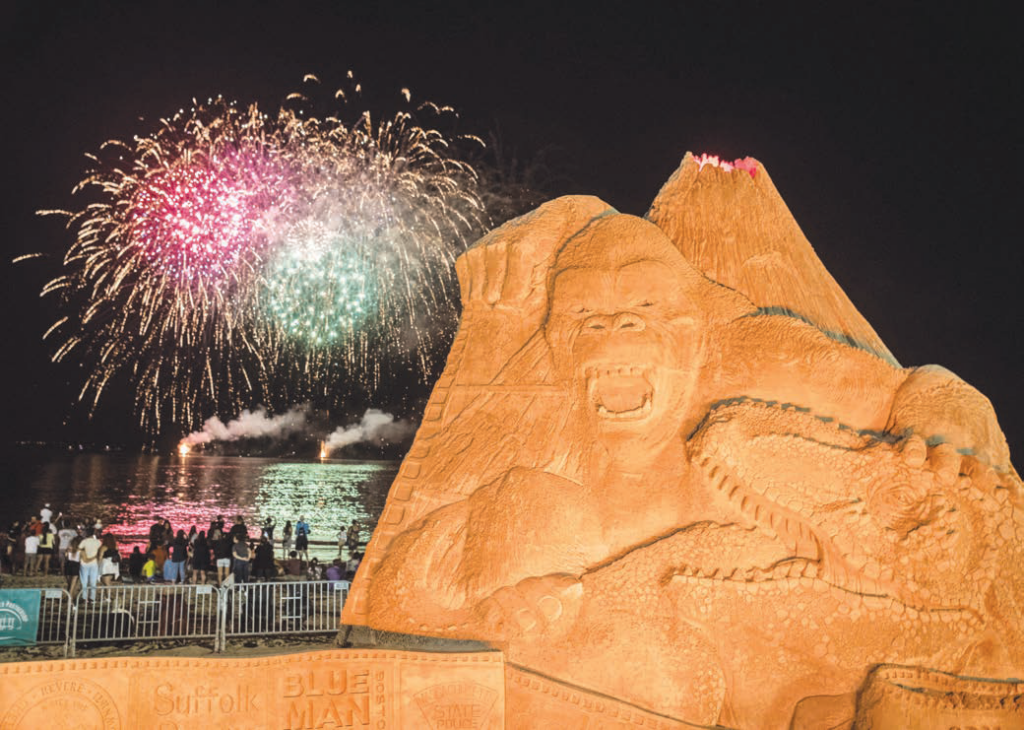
155, 611
54, 620
281, 608
147, 611
54, 617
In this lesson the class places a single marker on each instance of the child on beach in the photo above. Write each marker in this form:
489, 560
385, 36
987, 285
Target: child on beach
149, 568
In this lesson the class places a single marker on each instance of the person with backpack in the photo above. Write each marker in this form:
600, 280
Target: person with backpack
302, 538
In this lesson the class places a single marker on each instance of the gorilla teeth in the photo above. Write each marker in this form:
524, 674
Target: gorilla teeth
619, 392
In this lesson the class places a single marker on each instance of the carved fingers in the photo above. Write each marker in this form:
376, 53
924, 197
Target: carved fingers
945, 462
509, 267
942, 460
532, 606
914, 451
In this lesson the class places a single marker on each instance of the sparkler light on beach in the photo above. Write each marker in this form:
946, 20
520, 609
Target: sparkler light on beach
230, 253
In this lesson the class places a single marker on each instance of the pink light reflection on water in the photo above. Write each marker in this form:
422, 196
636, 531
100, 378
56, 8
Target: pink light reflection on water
127, 493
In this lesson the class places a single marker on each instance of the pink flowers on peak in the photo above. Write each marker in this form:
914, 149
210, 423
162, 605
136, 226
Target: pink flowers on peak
746, 163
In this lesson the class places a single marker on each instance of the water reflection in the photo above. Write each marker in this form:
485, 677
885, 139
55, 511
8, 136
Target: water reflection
128, 493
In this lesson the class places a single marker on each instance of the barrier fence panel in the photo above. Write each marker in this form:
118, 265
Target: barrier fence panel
34, 616
148, 611
54, 617
282, 608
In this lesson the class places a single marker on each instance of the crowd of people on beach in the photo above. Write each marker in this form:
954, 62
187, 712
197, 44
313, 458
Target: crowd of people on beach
87, 556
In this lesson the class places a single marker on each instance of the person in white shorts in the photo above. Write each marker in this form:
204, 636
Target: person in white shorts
31, 552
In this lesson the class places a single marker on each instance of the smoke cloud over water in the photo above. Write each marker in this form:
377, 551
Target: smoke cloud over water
376, 425
251, 424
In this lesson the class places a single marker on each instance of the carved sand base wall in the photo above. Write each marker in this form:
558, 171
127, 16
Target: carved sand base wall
327, 689
359, 688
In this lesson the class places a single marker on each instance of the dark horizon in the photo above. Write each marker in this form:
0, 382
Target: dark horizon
890, 133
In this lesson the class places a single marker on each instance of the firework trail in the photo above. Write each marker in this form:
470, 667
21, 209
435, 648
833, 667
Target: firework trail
233, 257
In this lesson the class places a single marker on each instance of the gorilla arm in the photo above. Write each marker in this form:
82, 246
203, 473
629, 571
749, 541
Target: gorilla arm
936, 405
785, 359
444, 575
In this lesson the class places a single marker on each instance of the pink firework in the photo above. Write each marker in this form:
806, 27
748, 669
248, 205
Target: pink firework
192, 221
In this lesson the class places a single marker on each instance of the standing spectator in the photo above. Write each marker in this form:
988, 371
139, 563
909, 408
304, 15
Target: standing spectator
46, 514
216, 529
222, 552
192, 534
302, 537
268, 529
240, 553
89, 571
263, 562
352, 566
353, 538
64, 537
342, 540
47, 547
18, 550
239, 528
135, 562
31, 553
34, 526
110, 560
160, 556
200, 558
174, 569
286, 538
9, 543
156, 534
71, 566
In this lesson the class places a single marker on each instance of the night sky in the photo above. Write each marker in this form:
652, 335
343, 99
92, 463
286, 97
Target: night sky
891, 134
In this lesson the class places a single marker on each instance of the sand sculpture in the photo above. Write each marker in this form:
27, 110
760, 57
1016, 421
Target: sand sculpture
669, 462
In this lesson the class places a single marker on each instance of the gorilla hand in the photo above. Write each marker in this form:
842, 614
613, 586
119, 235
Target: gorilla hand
508, 268
537, 605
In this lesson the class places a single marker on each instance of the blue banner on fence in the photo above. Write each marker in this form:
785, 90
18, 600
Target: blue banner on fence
19, 617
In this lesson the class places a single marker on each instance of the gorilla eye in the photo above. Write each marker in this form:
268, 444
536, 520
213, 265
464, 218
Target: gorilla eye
645, 303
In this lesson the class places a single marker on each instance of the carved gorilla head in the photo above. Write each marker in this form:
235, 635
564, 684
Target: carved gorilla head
626, 329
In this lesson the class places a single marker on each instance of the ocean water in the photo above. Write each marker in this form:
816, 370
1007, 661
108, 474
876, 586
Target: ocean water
127, 493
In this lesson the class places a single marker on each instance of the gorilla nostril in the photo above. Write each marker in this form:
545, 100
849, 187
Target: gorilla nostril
628, 321
596, 322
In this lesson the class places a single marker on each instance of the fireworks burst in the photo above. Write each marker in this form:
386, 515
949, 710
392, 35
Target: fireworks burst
233, 257
318, 289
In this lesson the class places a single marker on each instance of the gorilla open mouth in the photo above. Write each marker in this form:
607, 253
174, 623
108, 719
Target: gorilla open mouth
620, 392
